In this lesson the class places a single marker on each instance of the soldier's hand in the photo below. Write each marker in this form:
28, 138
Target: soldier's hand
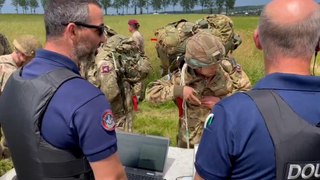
189, 95
209, 101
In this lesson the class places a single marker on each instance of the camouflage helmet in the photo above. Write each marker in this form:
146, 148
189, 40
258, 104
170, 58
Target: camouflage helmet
27, 44
203, 50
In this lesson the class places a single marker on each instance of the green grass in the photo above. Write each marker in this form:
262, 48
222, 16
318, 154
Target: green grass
152, 119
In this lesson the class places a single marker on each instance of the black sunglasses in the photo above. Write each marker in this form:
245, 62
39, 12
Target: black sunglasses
100, 28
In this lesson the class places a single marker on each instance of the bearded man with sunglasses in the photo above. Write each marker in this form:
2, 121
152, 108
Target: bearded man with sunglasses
206, 77
58, 125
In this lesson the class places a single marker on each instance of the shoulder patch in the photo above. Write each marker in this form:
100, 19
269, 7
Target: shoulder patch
108, 121
105, 69
209, 120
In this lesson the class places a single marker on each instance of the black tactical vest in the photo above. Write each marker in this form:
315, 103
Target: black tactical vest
296, 142
22, 106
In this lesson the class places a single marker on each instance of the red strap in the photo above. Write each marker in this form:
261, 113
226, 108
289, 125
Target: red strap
135, 103
179, 104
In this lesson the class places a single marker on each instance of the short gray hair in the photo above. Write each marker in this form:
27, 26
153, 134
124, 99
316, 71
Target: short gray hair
290, 40
59, 12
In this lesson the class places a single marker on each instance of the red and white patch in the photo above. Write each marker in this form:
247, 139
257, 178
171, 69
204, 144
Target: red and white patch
105, 69
108, 121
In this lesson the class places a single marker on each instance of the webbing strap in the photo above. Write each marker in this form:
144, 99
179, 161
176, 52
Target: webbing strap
268, 105
66, 169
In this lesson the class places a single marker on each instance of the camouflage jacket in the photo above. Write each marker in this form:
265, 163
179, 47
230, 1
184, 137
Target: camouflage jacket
4, 45
101, 73
138, 38
229, 79
7, 67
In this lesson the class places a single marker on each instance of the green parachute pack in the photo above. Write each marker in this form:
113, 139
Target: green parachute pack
222, 27
172, 38
128, 62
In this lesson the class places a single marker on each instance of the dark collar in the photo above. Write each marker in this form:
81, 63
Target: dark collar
293, 82
57, 59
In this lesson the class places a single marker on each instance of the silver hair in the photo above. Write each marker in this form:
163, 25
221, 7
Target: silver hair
289, 40
59, 12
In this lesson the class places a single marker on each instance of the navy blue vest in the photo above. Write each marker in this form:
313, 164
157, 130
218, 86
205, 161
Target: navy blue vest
296, 142
22, 106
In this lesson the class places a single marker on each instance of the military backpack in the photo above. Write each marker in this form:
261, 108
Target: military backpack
127, 59
172, 38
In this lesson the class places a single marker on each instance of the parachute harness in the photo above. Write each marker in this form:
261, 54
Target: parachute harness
184, 105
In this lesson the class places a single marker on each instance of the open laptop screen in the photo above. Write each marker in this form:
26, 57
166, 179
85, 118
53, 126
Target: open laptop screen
142, 152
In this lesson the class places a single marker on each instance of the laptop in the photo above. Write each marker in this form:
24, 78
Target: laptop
143, 156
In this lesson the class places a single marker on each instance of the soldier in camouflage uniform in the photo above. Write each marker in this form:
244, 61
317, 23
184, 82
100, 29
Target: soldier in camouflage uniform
24, 50
112, 76
4, 45
172, 39
206, 77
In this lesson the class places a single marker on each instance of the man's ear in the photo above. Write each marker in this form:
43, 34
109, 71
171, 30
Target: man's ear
256, 39
71, 30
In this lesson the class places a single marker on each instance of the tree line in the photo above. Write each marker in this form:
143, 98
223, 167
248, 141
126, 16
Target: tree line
139, 6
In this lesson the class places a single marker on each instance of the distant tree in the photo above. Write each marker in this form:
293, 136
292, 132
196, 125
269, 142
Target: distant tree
44, 3
139, 4
142, 4
156, 5
219, 4
33, 5
15, 3
165, 4
106, 4
117, 5
148, 5
229, 4
1, 4
134, 5
210, 6
24, 5
188, 5
203, 4
184, 4
126, 4
174, 4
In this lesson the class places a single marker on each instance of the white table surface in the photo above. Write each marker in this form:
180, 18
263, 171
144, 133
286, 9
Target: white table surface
179, 163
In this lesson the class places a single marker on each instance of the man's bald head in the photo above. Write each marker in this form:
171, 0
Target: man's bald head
289, 28
290, 11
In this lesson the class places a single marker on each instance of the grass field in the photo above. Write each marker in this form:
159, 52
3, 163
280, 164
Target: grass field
151, 119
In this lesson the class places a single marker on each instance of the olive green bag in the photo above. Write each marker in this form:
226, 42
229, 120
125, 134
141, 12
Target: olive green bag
127, 59
222, 27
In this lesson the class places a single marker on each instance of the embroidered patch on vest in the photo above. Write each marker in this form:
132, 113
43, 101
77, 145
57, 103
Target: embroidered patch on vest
108, 121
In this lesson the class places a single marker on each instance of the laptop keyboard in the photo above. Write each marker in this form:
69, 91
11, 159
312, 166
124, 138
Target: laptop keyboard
141, 177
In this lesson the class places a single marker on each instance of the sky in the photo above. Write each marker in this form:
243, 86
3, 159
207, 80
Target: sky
7, 8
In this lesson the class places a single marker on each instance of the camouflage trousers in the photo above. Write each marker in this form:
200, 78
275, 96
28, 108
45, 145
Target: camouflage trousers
4, 150
139, 90
123, 109
194, 134
125, 123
